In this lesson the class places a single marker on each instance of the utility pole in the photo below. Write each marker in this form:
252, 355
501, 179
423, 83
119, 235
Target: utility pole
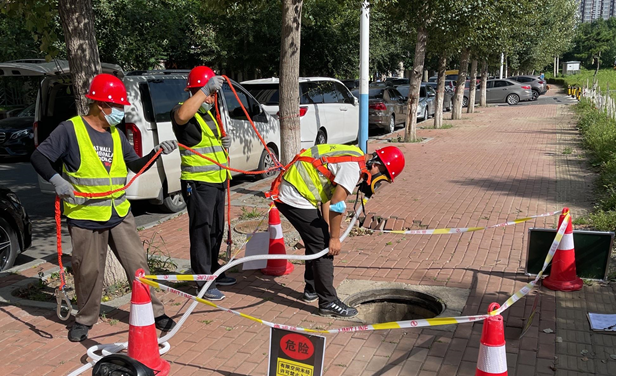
501, 67
364, 60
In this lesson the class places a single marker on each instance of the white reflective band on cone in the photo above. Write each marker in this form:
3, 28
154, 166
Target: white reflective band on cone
567, 243
276, 231
492, 359
141, 315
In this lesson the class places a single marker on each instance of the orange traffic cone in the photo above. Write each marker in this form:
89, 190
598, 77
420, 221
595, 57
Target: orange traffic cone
492, 356
277, 247
143, 342
563, 269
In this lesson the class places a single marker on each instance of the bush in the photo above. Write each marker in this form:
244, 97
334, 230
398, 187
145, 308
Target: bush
556, 81
603, 220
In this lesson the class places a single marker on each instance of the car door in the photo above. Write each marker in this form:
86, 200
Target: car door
349, 110
399, 104
499, 91
490, 91
430, 98
246, 148
335, 118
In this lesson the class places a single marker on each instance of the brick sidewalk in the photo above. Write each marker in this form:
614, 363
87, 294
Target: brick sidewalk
495, 165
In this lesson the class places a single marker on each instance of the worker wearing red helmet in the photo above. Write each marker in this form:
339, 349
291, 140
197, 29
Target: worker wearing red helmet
203, 182
95, 158
323, 176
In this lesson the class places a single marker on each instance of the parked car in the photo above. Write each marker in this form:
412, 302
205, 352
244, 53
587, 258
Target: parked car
500, 91
16, 134
396, 81
426, 103
538, 86
351, 84
387, 108
328, 111
447, 95
15, 228
152, 95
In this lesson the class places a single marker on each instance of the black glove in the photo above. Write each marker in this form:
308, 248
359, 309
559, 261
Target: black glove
167, 146
63, 188
213, 85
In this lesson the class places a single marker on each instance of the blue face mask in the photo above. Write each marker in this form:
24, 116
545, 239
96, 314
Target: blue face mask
115, 117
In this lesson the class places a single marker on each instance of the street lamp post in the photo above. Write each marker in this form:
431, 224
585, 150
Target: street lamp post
364, 60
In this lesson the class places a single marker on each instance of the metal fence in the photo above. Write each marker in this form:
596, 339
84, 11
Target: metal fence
603, 100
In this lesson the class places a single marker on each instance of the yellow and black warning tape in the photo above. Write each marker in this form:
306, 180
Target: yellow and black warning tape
381, 326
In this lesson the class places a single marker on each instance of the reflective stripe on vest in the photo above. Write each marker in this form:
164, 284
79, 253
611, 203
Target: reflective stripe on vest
92, 177
196, 168
309, 182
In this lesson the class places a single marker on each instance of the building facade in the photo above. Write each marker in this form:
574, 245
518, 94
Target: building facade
590, 10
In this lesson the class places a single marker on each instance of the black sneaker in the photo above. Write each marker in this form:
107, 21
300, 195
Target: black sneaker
164, 323
309, 297
338, 309
79, 332
225, 281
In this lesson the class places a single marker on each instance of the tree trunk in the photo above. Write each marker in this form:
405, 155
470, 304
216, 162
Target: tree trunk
77, 20
414, 85
483, 84
289, 106
457, 111
441, 87
472, 86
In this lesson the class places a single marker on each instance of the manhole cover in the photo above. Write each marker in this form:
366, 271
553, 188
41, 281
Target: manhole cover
247, 227
384, 305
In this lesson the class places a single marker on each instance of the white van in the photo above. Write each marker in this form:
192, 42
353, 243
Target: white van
329, 113
147, 122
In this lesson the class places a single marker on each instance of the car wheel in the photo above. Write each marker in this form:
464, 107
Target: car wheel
465, 101
321, 137
266, 162
534, 95
173, 203
9, 245
512, 99
391, 126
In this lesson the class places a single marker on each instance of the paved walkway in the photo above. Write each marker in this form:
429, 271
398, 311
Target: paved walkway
498, 164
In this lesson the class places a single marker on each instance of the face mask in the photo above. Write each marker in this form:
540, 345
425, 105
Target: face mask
205, 107
115, 117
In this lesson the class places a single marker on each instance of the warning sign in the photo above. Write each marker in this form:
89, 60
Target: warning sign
295, 354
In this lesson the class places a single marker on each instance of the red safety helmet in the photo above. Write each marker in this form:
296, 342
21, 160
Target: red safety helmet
199, 77
393, 159
107, 88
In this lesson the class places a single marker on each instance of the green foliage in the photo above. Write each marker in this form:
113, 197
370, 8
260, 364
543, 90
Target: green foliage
594, 39
604, 77
599, 139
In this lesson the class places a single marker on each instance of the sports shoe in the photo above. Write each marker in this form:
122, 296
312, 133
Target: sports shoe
214, 294
164, 323
338, 309
79, 332
309, 297
225, 281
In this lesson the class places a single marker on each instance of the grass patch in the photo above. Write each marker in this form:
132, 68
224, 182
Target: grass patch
446, 126
605, 76
401, 139
249, 214
598, 133
567, 150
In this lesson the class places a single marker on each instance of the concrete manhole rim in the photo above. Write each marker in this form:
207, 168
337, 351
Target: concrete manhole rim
397, 295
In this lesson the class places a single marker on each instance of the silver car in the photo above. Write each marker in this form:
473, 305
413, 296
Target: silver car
426, 103
538, 85
501, 91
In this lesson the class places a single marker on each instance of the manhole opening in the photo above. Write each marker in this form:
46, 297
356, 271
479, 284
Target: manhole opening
384, 305
247, 227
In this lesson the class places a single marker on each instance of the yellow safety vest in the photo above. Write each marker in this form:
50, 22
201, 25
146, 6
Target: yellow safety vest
197, 168
92, 177
309, 174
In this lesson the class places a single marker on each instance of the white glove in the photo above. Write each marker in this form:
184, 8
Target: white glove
226, 142
63, 188
167, 146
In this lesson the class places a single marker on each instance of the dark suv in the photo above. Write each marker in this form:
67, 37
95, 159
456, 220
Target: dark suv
15, 228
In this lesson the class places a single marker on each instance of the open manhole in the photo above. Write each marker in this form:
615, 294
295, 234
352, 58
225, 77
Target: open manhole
384, 305
247, 227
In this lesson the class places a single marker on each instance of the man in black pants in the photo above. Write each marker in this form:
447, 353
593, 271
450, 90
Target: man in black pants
203, 182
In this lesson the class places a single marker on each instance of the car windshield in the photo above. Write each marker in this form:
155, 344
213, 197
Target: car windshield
404, 90
27, 112
375, 93
267, 94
